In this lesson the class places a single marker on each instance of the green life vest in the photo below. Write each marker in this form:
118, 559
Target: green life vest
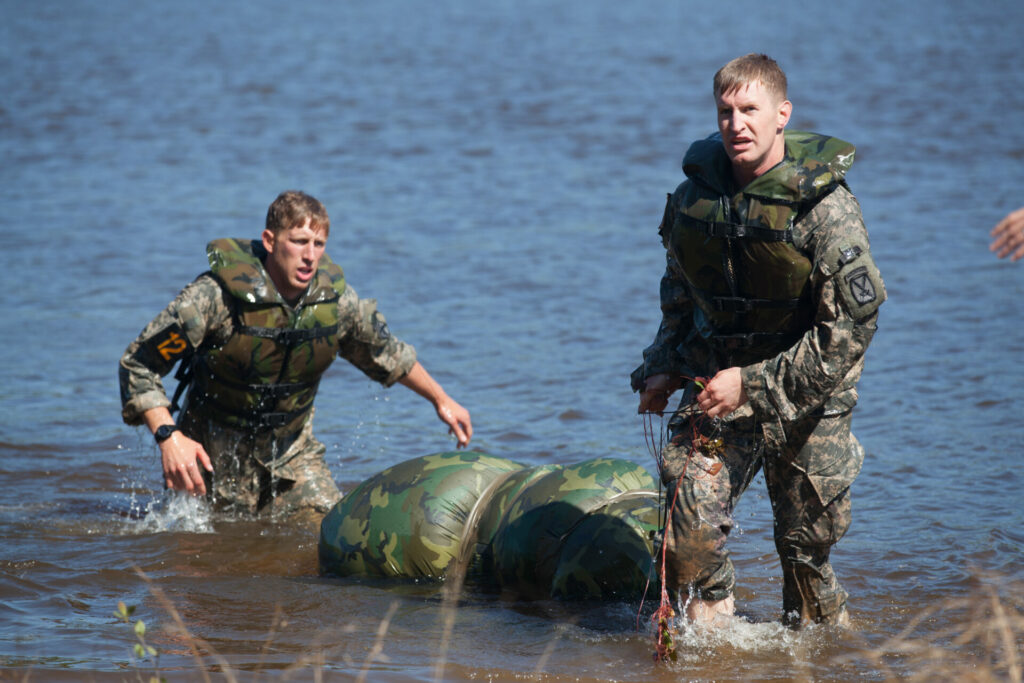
748, 278
266, 374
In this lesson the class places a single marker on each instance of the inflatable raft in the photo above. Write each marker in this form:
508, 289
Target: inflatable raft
585, 531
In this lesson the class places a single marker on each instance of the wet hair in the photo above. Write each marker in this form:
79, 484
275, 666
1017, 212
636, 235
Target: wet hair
292, 208
750, 69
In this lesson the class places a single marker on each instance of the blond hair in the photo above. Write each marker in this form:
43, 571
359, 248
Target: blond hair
751, 69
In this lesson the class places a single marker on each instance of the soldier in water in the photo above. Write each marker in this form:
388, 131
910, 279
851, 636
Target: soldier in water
254, 335
771, 296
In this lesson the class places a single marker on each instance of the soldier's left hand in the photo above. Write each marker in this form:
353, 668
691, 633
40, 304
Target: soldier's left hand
457, 419
723, 394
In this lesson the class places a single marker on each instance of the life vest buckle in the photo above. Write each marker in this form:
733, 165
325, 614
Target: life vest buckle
273, 420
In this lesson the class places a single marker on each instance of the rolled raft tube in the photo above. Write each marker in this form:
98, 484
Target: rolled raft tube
586, 531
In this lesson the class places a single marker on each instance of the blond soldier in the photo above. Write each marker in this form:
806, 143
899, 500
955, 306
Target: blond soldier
254, 336
771, 294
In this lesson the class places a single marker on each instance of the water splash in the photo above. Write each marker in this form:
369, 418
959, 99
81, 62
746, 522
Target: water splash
172, 511
734, 633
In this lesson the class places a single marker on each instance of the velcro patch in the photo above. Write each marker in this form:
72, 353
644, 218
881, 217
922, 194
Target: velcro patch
169, 345
861, 288
859, 282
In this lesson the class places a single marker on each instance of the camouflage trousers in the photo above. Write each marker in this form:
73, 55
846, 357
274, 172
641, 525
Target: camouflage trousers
259, 473
809, 487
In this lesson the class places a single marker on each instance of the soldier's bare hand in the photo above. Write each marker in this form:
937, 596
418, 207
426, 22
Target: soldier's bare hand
657, 389
723, 394
182, 458
458, 420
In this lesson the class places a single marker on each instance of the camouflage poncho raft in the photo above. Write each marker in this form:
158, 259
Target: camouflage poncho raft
582, 531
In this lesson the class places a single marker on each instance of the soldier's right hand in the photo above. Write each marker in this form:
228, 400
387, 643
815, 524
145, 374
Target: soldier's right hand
657, 389
182, 458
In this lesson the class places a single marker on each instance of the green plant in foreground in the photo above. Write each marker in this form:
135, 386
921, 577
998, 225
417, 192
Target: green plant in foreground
142, 650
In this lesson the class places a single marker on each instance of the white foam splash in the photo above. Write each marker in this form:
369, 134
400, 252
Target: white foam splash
174, 511
733, 632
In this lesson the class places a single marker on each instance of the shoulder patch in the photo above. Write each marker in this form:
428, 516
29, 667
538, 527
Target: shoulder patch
169, 345
857, 279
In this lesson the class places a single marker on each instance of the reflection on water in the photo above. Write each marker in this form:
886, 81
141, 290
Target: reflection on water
495, 177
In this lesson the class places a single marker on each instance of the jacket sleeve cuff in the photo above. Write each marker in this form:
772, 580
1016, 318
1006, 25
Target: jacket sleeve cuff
405, 359
140, 403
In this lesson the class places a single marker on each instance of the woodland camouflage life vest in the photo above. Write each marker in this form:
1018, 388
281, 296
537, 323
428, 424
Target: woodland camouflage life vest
749, 280
266, 374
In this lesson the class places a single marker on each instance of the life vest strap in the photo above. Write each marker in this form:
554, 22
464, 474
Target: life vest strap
287, 336
748, 340
738, 304
256, 419
729, 230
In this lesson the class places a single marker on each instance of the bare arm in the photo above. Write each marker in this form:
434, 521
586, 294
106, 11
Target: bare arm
450, 412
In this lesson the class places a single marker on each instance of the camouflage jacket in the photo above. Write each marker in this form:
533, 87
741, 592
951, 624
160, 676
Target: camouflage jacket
819, 372
203, 313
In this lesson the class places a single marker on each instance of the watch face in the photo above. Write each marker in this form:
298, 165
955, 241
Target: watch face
163, 432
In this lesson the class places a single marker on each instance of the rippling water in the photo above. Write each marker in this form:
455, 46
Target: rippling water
495, 175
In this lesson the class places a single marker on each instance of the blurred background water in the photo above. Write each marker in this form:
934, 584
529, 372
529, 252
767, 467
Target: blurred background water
495, 174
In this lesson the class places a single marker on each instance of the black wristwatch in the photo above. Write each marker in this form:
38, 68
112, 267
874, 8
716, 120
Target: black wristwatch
163, 432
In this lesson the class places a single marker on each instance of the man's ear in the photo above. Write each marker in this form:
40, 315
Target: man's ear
785, 111
268, 240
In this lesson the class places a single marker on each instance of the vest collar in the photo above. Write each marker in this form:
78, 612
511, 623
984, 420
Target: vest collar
238, 264
813, 165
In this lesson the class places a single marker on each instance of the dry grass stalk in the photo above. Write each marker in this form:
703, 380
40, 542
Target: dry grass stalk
378, 644
980, 641
194, 643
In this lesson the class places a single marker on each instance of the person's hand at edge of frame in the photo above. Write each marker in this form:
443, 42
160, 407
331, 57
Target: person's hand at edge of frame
1008, 236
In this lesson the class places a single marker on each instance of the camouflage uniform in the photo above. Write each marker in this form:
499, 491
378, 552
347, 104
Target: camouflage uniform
276, 469
796, 423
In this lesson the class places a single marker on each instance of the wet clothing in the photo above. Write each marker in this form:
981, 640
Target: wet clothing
266, 374
261, 442
776, 279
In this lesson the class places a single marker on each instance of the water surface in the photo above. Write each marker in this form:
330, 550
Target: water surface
495, 175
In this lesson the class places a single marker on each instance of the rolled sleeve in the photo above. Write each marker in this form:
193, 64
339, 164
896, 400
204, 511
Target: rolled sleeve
172, 336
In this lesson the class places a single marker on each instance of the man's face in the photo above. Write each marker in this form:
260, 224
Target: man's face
751, 121
293, 257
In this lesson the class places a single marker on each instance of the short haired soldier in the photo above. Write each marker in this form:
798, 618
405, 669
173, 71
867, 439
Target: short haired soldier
771, 292
254, 335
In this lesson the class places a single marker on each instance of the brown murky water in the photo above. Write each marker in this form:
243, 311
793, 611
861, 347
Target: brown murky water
495, 174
